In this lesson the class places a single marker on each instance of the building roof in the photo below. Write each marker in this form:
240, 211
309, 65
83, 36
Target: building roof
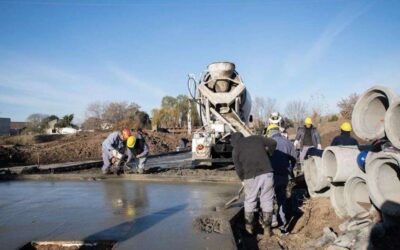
19, 125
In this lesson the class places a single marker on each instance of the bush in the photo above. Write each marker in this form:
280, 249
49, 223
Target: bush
333, 118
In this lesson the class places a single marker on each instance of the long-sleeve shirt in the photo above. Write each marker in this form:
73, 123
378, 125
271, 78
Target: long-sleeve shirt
284, 157
251, 155
140, 148
315, 137
114, 141
344, 139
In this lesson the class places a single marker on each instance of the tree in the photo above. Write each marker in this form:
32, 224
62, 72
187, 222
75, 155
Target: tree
296, 111
174, 112
318, 106
66, 121
118, 114
95, 110
261, 110
346, 105
37, 122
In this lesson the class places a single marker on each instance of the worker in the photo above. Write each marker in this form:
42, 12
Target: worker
307, 137
138, 152
344, 138
114, 146
277, 119
252, 164
283, 161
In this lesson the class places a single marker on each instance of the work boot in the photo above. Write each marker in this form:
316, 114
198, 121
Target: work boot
267, 220
141, 171
249, 218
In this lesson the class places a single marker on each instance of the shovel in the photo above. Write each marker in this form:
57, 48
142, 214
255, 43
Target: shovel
229, 203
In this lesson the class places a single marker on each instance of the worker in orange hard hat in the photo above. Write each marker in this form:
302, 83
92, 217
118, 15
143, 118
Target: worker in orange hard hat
114, 146
344, 138
307, 137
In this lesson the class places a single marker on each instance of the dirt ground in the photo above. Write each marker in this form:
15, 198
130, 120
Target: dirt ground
46, 149
317, 214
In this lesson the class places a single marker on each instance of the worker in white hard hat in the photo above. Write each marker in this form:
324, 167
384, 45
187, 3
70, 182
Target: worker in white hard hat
276, 119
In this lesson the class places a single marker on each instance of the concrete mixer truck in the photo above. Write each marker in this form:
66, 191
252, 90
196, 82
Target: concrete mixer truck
224, 106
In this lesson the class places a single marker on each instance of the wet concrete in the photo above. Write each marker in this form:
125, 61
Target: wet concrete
139, 215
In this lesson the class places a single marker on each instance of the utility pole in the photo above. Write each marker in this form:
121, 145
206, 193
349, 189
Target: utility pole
189, 118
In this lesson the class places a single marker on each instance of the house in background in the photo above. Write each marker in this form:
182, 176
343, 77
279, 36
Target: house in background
16, 128
5, 126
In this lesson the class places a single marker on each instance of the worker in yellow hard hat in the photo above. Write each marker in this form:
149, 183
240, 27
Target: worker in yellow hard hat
113, 148
307, 137
344, 138
138, 151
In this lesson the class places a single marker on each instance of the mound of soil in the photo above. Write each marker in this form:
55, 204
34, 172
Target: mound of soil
317, 214
72, 148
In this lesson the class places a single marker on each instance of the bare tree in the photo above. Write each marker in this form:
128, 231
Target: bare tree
296, 111
262, 108
346, 105
318, 106
95, 110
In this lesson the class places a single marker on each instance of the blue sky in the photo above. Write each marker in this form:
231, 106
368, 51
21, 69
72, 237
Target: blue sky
58, 56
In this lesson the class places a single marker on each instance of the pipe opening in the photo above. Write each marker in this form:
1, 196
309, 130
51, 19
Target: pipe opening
359, 196
389, 181
338, 200
373, 117
394, 122
330, 163
313, 173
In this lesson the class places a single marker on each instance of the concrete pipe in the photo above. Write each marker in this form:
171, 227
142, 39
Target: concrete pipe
369, 112
307, 176
356, 195
337, 199
316, 179
392, 121
383, 181
340, 162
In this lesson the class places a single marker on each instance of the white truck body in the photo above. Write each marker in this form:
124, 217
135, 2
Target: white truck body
224, 106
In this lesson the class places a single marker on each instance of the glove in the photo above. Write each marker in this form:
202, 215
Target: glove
296, 143
114, 153
319, 146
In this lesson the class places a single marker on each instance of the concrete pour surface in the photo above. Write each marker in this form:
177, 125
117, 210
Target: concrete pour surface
139, 215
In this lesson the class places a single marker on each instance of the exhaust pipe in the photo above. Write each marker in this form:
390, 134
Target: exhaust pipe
392, 121
315, 177
383, 181
356, 195
340, 162
369, 112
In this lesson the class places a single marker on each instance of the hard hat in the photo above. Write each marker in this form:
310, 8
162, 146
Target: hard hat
126, 132
272, 126
275, 118
308, 121
361, 159
130, 143
346, 126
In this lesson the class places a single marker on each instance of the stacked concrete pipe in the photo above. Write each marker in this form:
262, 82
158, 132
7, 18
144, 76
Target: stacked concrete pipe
340, 162
392, 123
369, 112
383, 181
356, 195
317, 184
337, 199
